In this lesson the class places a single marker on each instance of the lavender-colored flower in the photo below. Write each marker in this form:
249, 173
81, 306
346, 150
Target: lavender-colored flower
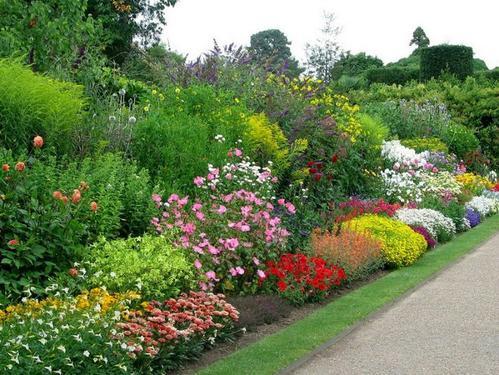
473, 217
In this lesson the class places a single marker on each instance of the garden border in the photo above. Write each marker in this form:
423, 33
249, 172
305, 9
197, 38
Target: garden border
299, 342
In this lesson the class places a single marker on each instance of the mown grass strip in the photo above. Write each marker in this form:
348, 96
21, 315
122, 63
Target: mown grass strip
277, 351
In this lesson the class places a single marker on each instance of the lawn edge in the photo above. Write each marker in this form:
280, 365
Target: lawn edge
478, 236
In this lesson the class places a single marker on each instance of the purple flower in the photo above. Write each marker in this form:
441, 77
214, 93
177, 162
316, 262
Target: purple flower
427, 236
473, 217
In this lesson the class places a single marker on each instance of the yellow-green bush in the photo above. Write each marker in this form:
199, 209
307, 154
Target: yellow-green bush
426, 144
266, 141
401, 246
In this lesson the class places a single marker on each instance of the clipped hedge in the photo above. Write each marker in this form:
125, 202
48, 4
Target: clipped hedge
393, 75
400, 245
31, 104
456, 60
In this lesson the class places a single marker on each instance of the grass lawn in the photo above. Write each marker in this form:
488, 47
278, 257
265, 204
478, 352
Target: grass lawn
281, 349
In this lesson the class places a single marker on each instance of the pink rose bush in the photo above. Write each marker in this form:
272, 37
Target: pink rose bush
232, 233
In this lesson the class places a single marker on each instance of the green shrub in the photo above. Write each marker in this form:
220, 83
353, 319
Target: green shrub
39, 234
425, 144
149, 264
459, 139
400, 245
456, 60
392, 75
373, 130
32, 104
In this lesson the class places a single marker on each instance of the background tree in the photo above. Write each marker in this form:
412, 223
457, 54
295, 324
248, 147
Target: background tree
129, 21
325, 52
271, 49
354, 65
419, 38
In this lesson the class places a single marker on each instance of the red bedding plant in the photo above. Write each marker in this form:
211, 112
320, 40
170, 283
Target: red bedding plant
356, 207
167, 333
303, 279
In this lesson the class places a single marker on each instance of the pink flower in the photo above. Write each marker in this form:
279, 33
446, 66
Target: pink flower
221, 210
238, 152
156, 198
229, 176
196, 206
211, 275
246, 210
213, 250
281, 202
291, 208
261, 274
227, 198
233, 271
231, 243
173, 198
434, 170
197, 264
240, 270
199, 181
183, 201
270, 206
200, 216
203, 286
256, 261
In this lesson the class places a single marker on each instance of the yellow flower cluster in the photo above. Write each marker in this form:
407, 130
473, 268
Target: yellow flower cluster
401, 246
473, 182
86, 300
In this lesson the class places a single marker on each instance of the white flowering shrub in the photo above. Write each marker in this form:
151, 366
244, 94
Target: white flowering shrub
437, 224
483, 205
403, 187
395, 152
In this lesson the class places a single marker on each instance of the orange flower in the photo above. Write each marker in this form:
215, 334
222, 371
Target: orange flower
94, 206
64, 199
76, 196
5, 168
13, 243
73, 272
20, 166
57, 195
38, 142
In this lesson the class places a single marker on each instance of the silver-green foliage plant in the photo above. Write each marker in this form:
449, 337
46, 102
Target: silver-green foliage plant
149, 264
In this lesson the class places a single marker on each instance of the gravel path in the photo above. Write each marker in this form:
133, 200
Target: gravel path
448, 326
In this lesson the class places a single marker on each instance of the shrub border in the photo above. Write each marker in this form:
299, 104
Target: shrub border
288, 349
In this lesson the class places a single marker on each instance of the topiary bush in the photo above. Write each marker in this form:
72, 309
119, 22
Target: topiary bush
31, 104
392, 76
456, 60
149, 264
400, 245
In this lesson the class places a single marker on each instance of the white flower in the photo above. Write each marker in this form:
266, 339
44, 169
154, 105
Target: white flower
112, 118
433, 221
62, 348
112, 274
132, 120
483, 205
86, 353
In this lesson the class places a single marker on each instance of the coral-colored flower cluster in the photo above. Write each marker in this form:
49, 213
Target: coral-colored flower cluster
357, 252
301, 278
356, 207
191, 319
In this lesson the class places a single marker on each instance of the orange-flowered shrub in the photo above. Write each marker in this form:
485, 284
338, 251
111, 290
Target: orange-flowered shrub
358, 253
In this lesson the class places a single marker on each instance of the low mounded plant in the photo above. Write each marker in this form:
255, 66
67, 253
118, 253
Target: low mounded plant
439, 226
357, 253
149, 264
401, 246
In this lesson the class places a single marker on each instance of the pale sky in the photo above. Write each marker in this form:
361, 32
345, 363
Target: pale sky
379, 27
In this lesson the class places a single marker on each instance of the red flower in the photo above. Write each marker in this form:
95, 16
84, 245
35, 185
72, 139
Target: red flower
57, 195
5, 168
38, 142
20, 166
334, 158
282, 286
94, 206
73, 272
317, 176
310, 163
312, 170
76, 196
13, 243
